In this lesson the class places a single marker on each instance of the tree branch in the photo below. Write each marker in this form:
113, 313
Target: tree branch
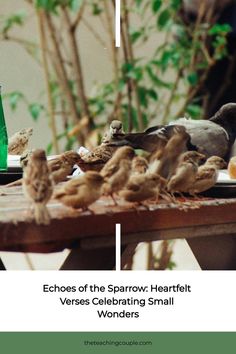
40, 16
57, 59
131, 56
78, 18
77, 66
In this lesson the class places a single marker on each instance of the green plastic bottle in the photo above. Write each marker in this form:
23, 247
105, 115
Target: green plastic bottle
3, 138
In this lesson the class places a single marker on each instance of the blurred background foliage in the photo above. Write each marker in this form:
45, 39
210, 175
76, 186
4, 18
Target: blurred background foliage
165, 83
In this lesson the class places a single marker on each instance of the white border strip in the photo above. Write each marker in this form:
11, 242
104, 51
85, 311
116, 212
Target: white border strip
117, 30
118, 247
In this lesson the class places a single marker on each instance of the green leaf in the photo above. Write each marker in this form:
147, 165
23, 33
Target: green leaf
35, 109
48, 5
171, 265
176, 4
194, 110
135, 73
145, 120
163, 19
75, 4
15, 19
156, 5
127, 67
192, 78
14, 98
142, 93
96, 10
138, 2
70, 142
49, 149
220, 29
165, 59
121, 85
135, 36
158, 82
152, 93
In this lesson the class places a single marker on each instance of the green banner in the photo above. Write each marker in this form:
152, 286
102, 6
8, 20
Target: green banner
114, 342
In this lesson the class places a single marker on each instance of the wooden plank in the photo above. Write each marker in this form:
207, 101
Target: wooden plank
166, 234
71, 228
81, 225
90, 259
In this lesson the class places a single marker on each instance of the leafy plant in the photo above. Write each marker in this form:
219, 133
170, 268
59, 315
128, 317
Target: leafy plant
163, 83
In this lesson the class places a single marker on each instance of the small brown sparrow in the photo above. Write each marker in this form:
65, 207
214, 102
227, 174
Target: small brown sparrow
117, 180
186, 171
112, 165
170, 154
207, 175
81, 192
139, 165
24, 159
117, 170
217, 162
18, 143
142, 187
184, 177
192, 156
116, 128
100, 154
38, 185
62, 166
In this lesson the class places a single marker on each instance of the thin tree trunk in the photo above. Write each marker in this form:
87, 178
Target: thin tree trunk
131, 55
114, 52
150, 256
47, 80
77, 66
128, 80
60, 67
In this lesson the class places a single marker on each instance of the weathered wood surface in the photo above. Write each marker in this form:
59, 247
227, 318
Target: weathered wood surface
70, 228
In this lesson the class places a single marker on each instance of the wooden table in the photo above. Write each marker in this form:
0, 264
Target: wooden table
210, 230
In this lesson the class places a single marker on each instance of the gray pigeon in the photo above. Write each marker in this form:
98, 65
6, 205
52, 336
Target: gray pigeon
211, 137
215, 136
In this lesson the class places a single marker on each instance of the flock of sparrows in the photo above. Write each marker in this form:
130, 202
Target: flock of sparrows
167, 172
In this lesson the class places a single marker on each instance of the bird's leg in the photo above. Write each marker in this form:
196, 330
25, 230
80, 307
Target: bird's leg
200, 198
136, 206
2, 193
180, 205
146, 206
114, 200
31, 208
183, 197
188, 203
170, 198
195, 203
176, 201
155, 200
89, 210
